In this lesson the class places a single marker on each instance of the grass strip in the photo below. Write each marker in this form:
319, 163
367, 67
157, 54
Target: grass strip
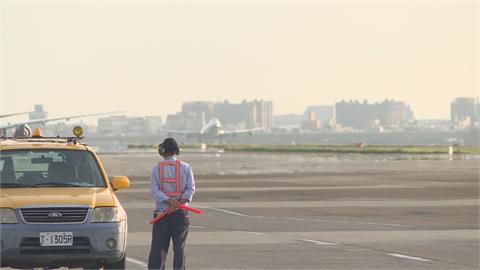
328, 148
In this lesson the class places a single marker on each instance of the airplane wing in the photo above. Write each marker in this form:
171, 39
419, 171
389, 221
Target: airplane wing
12, 114
243, 131
44, 120
184, 133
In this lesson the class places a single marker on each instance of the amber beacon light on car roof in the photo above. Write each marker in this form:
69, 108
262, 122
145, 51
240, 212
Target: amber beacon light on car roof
37, 133
78, 131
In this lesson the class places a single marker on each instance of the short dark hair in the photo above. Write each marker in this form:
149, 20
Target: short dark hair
170, 146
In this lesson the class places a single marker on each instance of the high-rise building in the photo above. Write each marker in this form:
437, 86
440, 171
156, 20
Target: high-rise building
119, 125
247, 114
354, 113
185, 121
112, 125
244, 113
288, 120
323, 112
153, 124
311, 123
391, 113
360, 115
264, 113
410, 116
464, 107
251, 114
478, 112
205, 108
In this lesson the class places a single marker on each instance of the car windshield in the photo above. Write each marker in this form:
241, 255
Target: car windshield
49, 168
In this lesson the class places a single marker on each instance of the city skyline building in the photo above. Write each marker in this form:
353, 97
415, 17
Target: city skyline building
247, 114
322, 112
463, 107
120, 125
361, 115
464, 112
311, 123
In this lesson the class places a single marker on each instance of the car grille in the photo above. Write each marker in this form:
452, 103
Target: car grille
55, 215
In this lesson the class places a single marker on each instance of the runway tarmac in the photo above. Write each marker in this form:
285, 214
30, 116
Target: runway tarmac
314, 211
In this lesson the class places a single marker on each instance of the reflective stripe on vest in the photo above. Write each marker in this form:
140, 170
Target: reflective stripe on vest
163, 180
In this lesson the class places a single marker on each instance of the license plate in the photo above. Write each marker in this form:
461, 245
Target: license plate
49, 239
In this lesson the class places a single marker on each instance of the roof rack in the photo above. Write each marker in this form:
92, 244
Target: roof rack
72, 140
37, 137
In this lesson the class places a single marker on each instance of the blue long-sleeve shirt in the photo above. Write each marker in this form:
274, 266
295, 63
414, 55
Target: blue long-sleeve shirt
187, 184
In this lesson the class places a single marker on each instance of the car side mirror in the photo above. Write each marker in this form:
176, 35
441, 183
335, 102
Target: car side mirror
119, 182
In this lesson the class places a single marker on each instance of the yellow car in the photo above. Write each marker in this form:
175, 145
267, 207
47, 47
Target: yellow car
58, 207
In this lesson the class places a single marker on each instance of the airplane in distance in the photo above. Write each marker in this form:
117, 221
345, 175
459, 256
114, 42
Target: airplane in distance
213, 130
22, 129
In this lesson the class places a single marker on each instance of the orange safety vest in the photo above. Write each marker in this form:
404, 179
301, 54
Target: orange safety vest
163, 179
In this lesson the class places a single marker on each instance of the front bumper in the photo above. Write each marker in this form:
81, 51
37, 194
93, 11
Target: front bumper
20, 246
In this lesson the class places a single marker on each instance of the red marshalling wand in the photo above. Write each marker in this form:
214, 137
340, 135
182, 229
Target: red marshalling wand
166, 212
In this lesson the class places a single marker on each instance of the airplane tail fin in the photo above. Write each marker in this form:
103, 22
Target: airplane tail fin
203, 119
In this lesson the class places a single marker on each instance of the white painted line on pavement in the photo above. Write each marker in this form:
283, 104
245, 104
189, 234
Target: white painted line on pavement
403, 256
223, 211
250, 232
296, 219
137, 262
316, 242
232, 212
364, 222
387, 224
197, 227
300, 219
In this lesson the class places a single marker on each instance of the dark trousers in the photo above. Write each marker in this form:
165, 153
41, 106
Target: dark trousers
173, 226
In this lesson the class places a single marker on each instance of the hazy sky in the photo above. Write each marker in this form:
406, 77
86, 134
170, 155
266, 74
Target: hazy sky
147, 57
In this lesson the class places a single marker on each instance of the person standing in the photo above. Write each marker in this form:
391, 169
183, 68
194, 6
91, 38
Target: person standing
172, 184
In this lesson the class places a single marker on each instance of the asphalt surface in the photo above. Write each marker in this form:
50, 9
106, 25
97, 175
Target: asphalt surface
295, 211
315, 211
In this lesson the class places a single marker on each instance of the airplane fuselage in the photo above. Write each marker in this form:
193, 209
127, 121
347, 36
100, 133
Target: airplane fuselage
212, 128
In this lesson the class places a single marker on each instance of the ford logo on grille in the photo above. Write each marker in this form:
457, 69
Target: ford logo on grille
54, 214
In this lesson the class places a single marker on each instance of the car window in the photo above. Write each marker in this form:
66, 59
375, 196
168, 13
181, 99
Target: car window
50, 167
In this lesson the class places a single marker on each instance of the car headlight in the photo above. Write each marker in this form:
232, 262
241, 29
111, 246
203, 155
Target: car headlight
7, 215
107, 214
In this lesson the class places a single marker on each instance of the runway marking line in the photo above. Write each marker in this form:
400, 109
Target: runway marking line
197, 227
301, 219
137, 262
403, 256
296, 219
397, 255
387, 224
258, 233
223, 211
316, 242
